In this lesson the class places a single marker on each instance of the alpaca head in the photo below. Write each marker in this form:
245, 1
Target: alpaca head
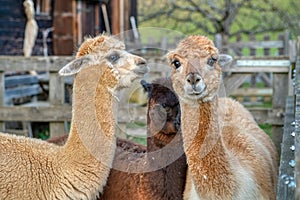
163, 117
196, 69
107, 54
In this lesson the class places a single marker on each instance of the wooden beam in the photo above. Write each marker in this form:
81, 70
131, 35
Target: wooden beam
252, 92
283, 190
263, 63
258, 44
236, 69
56, 98
2, 92
63, 28
234, 81
36, 114
280, 92
38, 63
115, 17
267, 116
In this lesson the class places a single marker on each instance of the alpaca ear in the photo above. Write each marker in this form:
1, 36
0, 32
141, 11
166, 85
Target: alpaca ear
147, 87
170, 56
76, 65
224, 60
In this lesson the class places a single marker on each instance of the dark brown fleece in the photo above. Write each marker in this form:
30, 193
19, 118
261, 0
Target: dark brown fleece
163, 130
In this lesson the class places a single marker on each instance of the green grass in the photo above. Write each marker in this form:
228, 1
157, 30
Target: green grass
136, 124
267, 128
258, 85
139, 140
44, 135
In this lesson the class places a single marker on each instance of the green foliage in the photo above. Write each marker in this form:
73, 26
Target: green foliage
44, 134
220, 16
139, 140
136, 124
267, 128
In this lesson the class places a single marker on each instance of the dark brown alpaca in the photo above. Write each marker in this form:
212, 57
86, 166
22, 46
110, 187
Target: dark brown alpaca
163, 159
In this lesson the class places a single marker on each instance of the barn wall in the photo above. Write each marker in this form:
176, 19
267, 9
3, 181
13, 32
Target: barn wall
12, 23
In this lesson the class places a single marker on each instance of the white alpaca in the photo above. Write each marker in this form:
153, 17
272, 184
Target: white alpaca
229, 157
33, 169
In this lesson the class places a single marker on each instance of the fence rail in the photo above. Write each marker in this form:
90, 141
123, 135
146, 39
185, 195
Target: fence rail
58, 111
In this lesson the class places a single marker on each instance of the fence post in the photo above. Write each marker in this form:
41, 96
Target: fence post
280, 92
286, 43
56, 97
297, 119
2, 95
266, 50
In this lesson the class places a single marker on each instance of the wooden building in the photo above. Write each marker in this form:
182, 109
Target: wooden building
62, 23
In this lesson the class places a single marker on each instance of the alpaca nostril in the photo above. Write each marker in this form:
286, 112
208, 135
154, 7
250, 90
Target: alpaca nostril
141, 62
193, 78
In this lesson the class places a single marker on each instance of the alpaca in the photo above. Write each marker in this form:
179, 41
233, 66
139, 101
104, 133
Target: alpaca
228, 155
162, 184
166, 178
34, 169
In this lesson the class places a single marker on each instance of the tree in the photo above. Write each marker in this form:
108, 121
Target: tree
226, 17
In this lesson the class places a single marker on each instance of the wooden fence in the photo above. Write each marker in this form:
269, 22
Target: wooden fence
57, 112
253, 46
294, 173
242, 69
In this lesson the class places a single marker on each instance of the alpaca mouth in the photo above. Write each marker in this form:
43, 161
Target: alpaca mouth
141, 70
196, 93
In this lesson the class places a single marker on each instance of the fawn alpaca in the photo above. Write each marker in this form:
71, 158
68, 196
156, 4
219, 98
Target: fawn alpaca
229, 157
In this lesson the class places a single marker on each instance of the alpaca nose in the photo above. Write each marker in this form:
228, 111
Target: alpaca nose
140, 61
193, 79
141, 65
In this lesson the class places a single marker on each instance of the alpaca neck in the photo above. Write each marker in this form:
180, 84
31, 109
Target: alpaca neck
199, 124
93, 120
206, 154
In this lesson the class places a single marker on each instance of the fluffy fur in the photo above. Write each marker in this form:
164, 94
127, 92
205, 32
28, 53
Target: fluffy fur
32, 169
229, 156
161, 184
168, 180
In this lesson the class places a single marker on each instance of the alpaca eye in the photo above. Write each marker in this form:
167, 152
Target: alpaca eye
167, 108
114, 57
176, 64
211, 61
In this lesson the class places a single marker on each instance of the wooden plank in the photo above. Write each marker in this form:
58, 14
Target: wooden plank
36, 114
280, 92
2, 92
261, 57
297, 121
284, 192
248, 69
56, 97
115, 17
234, 81
38, 63
56, 92
258, 44
22, 91
63, 21
263, 63
267, 116
252, 92
12, 81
